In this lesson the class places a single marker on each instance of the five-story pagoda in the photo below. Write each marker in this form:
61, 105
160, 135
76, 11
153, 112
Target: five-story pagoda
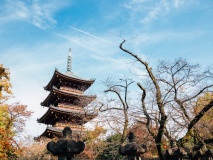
66, 103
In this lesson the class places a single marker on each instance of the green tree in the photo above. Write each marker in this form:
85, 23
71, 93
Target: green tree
112, 148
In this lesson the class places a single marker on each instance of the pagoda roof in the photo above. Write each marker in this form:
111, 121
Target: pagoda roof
66, 114
51, 132
69, 76
86, 99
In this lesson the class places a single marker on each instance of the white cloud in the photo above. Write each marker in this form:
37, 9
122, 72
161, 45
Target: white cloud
154, 37
91, 35
38, 13
160, 8
11, 11
149, 11
94, 44
120, 66
179, 3
42, 15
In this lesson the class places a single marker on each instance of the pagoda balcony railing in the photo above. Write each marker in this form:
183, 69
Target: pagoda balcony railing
54, 128
73, 126
68, 89
68, 106
82, 111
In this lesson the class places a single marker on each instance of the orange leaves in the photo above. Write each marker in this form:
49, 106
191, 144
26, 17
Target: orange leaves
5, 86
18, 114
6, 133
10, 121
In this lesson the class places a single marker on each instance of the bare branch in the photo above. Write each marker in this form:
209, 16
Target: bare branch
145, 111
200, 115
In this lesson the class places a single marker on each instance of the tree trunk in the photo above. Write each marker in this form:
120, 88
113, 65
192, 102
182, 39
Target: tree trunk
159, 149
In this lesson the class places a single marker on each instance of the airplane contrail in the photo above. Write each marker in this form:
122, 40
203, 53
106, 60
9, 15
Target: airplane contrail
79, 30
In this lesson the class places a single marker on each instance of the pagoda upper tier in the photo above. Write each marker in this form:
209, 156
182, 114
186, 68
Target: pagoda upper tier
70, 80
63, 95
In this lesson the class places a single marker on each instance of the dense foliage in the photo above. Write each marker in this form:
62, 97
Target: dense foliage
112, 147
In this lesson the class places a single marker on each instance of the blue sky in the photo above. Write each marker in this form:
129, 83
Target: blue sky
35, 36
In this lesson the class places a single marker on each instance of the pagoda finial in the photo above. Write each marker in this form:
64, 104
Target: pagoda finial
69, 62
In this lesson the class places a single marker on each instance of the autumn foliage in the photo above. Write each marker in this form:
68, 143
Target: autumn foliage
205, 125
6, 134
5, 86
12, 118
143, 136
94, 144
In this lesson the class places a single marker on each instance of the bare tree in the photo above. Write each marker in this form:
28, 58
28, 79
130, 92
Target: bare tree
120, 91
163, 117
172, 91
184, 84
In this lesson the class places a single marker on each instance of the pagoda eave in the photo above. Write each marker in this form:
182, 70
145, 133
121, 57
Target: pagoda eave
56, 92
70, 77
65, 114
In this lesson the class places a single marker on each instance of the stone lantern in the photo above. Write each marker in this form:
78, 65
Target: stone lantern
195, 152
204, 153
66, 148
175, 153
132, 149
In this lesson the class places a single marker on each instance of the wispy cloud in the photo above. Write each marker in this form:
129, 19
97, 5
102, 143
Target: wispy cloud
42, 16
76, 41
180, 3
38, 13
11, 11
121, 65
150, 10
155, 37
95, 45
91, 35
161, 8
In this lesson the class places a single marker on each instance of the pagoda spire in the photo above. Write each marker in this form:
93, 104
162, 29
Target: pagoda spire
69, 62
